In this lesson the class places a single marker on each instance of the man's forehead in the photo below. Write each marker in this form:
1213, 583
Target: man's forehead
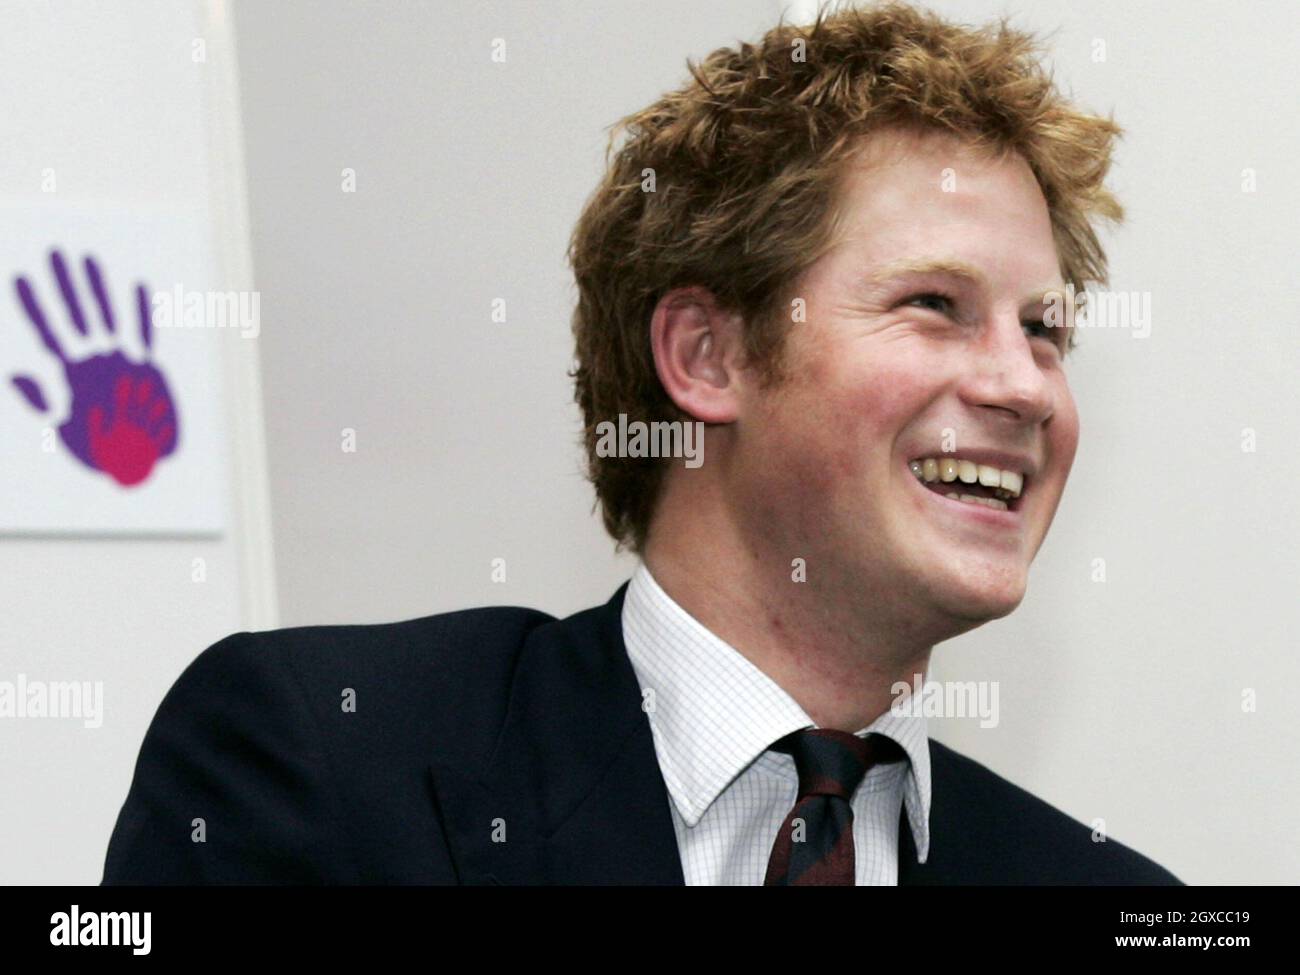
928, 179
895, 145
924, 203
990, 256
903, 136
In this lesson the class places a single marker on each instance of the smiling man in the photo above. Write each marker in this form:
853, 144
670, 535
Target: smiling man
838, 250
923, 377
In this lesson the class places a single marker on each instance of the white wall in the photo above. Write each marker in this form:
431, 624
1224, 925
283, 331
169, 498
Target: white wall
108, 97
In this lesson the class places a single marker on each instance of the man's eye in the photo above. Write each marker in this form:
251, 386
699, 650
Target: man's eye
935, 296
1039, 329
940, 302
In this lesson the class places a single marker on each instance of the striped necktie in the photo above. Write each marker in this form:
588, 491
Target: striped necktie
815, 844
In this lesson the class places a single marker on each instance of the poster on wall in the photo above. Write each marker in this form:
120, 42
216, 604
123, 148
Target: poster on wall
110, 394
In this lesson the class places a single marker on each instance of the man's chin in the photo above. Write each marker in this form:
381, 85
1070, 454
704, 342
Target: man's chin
980, 599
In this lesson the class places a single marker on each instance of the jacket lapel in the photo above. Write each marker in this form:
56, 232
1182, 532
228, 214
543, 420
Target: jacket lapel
572, 793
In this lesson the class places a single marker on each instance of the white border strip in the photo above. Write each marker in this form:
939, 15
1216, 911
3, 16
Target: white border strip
232, 251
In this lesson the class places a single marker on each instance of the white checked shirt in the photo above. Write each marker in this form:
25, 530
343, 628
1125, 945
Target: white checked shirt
715, 715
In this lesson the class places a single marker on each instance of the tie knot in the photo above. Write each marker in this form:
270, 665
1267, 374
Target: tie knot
833, 763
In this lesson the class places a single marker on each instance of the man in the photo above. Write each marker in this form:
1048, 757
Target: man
840, 252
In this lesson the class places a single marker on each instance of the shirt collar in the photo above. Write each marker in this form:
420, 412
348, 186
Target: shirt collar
712, 712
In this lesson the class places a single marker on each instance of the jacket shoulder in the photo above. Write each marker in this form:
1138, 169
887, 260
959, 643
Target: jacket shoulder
299, 755
993, 831
436, 681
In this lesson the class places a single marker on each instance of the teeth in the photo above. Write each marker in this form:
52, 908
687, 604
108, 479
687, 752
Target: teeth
987, 502
1005, 484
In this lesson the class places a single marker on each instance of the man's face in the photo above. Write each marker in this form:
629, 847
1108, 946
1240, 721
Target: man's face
886, 372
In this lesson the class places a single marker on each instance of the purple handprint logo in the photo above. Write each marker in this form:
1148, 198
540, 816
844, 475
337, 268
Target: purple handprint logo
122, 419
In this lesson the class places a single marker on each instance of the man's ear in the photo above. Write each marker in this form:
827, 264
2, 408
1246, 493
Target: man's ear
699, 351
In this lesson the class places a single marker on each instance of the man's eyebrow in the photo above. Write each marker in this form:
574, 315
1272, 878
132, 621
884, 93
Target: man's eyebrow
897, 269
960, 269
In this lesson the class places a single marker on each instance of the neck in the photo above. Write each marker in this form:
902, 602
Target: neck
825, 645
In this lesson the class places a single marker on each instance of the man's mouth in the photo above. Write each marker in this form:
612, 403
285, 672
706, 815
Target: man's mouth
964, 480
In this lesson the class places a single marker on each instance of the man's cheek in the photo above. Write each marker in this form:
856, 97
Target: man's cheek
1071, 436
862, 433
1063, 440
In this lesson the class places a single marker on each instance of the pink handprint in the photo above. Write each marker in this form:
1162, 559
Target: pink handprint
123, 418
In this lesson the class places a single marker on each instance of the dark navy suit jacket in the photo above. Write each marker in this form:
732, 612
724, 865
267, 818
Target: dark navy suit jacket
494, 745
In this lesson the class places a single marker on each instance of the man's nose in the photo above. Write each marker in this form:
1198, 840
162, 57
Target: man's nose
1005, 375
